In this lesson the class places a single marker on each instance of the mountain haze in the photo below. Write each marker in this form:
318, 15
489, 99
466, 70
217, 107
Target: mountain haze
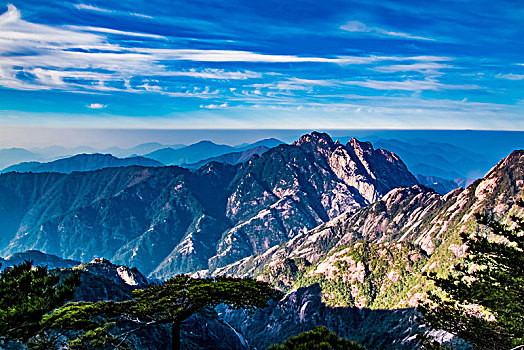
189, 154
230, 158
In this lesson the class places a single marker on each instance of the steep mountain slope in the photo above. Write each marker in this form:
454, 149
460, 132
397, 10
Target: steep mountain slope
361, 274
229, 158
374, 257
82, 162
169, 220
94, 214
292, 188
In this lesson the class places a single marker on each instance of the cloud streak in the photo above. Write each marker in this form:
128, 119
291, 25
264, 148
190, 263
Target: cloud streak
410, 85
76, 58
359, 27
510, 76
108, 11
115, 31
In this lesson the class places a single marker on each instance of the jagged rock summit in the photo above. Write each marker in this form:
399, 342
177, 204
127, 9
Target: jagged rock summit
372, 172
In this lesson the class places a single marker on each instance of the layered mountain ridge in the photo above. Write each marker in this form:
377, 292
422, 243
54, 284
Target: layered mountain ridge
169, 220
82, 162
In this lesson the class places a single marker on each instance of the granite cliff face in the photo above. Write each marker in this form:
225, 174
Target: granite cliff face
361, 273
168, 220
299, 186
374, 257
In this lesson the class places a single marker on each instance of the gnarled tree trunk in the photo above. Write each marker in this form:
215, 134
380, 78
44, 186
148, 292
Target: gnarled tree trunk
175, 336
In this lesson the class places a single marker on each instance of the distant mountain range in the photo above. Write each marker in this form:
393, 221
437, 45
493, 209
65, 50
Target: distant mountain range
229, 158
441, 185
53, 152
9, 156
200, 152
439, 159
435, 163
24, 160
81, 162
189, 154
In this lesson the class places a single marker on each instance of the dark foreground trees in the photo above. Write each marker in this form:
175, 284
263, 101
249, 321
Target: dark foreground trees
108, 324
482, 300
27, 293
319, 338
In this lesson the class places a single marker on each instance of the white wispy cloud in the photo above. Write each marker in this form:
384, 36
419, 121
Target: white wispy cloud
248, 56
115, 31
108, 11
359, 27
410, 85
96, 106
219, 74
295, 84
424, 67
214, 106
17, 34
510, 76
92, 8
83, 59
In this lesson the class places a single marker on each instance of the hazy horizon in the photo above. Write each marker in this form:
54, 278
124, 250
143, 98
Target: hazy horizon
497, 142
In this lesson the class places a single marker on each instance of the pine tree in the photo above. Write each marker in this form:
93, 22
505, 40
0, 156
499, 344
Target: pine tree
482, 300
27, 293
171, 302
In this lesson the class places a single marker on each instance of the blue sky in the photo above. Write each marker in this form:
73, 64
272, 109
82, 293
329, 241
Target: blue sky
262, 64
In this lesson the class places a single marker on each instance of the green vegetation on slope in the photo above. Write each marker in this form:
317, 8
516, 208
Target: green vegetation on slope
27, 293
482, 299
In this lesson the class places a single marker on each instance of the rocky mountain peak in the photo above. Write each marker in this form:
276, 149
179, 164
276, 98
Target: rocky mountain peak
360, 146
316, 140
